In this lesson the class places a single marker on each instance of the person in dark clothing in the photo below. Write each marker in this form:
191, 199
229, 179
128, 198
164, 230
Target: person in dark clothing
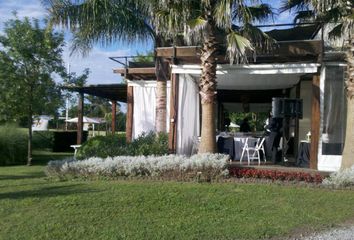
275, 127
244, 126
227, 122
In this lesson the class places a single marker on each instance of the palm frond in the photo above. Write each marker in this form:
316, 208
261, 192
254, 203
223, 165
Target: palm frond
81, 43
261, 12
248, 14
223, 13
260, 39
303, 16
336, 32
237, 47
197, 23
296, 5
195, 30
102, 21
331, 15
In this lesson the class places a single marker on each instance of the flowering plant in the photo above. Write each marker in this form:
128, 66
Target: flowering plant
275, 175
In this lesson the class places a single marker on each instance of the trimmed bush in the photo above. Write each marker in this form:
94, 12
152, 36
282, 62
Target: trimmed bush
13, 145
200, 167
115, 145
103, 146
344, 178
149, 144
43, 140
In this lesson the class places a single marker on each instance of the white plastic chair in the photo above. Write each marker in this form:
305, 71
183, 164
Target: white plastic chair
256, 149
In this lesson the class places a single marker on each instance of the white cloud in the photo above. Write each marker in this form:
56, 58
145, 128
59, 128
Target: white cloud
30, 8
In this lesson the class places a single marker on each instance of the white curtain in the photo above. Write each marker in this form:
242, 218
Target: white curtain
188, 114
144, 111
333, 117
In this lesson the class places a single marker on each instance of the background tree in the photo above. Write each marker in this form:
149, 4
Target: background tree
70, 80
218, 25
339, 13
29, 55
111, 21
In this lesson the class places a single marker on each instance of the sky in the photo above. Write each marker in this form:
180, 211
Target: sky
97, 61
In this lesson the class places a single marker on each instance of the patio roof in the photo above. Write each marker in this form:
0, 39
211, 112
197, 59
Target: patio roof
282, 52
113, 92
253, 76
296, 33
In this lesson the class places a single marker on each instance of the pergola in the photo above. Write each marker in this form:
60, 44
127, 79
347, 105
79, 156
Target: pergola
307, 52
111, 92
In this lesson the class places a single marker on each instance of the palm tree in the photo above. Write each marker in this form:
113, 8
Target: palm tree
110, 21
214, 24
341, 14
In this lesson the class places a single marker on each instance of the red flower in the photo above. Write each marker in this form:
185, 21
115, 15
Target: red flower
274, 175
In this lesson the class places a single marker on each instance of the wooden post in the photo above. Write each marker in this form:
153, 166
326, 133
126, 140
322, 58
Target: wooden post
172, 135
80, 117
130, 108
297, 124
114, 109
315, 121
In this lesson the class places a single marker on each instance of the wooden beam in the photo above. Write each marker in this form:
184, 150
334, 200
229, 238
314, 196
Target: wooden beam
114, 109
80, 117
315, 121
172, 135
130, 109
149, 70
286, 49
169, 52
296, 48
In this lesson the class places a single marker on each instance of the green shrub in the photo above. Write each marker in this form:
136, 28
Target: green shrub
103, 146
43, 140
13, 145
110, 146
149, 144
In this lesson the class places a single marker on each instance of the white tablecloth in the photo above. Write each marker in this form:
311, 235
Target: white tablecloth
239, 143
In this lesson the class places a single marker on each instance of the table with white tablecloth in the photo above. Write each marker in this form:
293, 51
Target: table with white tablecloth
238, 145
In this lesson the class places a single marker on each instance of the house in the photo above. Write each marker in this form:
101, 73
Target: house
299, 66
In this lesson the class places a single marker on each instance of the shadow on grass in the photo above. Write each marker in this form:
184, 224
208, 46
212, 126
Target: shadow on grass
47, 192
43, 159
23, 176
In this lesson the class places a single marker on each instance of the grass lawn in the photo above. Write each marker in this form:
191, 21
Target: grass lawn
33, 207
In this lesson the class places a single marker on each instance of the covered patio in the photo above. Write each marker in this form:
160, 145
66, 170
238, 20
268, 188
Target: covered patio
296, 69
292, 71
112, 92
251, 89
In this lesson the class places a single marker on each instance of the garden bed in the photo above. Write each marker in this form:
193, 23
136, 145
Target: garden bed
203, 167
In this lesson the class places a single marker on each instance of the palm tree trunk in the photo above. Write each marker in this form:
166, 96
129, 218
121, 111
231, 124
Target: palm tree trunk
348, 152
161, 94
161, 101
207, 87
